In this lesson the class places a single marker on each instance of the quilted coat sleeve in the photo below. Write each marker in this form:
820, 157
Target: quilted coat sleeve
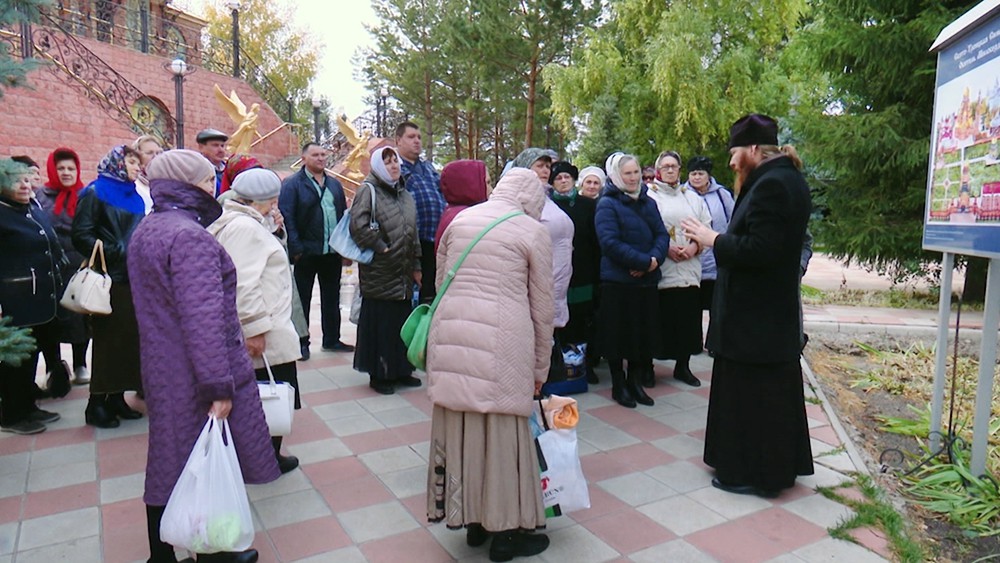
361, 216
762, 231
199, 303
613, 245
244, 240
540, 300
440, 260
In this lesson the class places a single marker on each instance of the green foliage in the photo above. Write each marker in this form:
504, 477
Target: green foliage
13, 70
469, 71
287, 56
875, 511
869, 130
971, 502
918, 427
681, 73
16, 344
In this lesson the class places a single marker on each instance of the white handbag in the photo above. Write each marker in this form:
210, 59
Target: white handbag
89, 290
278, 400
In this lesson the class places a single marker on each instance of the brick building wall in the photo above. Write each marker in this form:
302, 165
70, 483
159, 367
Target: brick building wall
57, 112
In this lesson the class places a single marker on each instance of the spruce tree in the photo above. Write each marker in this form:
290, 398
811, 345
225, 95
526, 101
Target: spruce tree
14, 70
868, 135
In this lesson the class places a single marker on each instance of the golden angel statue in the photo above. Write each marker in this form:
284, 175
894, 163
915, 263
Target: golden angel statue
358, 154
245, 121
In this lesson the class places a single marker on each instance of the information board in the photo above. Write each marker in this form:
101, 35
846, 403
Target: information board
962, 213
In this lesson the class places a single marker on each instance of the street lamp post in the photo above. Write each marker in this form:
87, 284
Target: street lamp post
235, 9
317, 102
179, 69
380, 112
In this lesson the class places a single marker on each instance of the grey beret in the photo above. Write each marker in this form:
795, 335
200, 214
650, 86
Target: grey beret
257, 184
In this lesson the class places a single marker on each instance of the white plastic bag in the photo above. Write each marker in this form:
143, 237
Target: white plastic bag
564, 488
208, 510
356, 305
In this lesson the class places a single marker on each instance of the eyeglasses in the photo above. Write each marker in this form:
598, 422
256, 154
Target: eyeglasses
670, 167
647, 178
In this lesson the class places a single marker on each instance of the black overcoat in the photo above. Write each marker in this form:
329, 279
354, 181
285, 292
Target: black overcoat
756, 308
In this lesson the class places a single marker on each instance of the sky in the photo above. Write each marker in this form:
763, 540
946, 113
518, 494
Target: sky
340, 27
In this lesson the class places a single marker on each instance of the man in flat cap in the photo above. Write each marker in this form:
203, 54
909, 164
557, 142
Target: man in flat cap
757, 437
212, 145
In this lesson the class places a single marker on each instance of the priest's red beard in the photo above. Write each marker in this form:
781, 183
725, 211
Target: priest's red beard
743, 167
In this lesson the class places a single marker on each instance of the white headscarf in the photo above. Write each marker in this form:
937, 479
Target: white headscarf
378, 165
614, 166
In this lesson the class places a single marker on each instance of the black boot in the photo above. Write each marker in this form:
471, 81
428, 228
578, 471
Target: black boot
159, 551
646, 376
476, 535
515, 543
638, 393
619, 390
285, 463
117, 406
248, 556
58, 380
98, 414
683, 373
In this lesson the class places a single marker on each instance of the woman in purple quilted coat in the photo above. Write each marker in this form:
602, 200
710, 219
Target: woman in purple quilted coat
194, 360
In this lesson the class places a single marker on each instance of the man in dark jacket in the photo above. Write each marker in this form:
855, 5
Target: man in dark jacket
312, 203
757, 437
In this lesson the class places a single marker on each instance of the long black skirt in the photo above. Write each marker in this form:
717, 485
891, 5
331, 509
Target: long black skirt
116, 345
757, 430
286, 373
628, 322
580, 327
707, 291
380, 351
679, 334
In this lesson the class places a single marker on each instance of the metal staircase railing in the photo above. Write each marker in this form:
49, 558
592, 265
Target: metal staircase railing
112, 92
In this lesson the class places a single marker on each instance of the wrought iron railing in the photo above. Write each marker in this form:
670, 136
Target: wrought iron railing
70, 59
168, 36
138, 29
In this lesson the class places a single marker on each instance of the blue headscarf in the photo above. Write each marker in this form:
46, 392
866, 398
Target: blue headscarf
113, 185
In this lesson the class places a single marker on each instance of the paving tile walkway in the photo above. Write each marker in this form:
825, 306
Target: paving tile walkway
73, 493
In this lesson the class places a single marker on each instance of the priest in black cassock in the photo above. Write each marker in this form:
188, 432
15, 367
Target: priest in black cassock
757, 437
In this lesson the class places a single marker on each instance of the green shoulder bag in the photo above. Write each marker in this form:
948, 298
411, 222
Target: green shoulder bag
418, 325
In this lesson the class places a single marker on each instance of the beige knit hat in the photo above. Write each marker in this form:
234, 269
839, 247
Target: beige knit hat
183, 165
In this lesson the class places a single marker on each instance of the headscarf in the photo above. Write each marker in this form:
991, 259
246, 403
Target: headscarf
66, 199
591, 171
234, 166
529, 155
113, 165
114, 187
378, 165
614, 164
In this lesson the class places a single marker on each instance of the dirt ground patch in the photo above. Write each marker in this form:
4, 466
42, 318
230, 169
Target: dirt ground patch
838, 362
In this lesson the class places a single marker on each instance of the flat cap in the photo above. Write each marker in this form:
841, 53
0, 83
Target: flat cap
206, 135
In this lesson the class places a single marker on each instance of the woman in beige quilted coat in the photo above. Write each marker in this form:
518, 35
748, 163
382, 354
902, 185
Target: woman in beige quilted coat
488, 354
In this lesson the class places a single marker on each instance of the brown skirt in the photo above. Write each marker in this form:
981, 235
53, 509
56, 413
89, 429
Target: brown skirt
116, 345
483, 470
